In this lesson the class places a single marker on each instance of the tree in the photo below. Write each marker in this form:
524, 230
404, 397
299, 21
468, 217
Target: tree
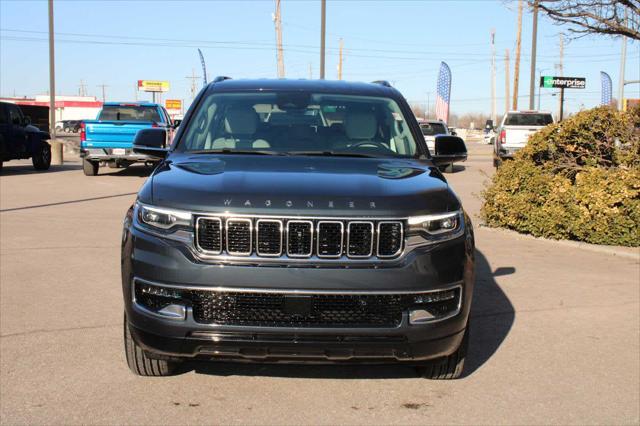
610, 17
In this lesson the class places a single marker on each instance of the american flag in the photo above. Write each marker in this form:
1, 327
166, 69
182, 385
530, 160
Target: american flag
606, 88
443, 93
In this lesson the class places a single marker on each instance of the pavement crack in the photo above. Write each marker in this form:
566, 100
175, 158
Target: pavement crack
55, 330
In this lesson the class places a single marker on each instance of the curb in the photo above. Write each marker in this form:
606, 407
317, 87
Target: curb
620, 251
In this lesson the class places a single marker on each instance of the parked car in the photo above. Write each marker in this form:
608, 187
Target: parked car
109, 139
514, 131
431, 129
19, 139
297, 220
72, 126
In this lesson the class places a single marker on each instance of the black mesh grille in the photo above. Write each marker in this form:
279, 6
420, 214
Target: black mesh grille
269, 238
210, 234
360, 239
263, 309
330, 239
238, 236
389, 238
299, 238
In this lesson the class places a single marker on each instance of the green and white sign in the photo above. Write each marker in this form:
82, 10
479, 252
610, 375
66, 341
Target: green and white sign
551, 82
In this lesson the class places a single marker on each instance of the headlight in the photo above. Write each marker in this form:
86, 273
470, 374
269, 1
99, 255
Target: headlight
437, 227
162, 218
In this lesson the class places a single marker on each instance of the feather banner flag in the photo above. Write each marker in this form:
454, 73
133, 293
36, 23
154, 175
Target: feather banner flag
204, 67
607, 88
443, 93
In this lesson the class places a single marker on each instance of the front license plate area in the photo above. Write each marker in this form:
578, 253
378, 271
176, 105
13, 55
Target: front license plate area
297, 305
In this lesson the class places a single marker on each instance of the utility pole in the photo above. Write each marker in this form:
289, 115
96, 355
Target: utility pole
193, 79
493, 76
104, 97
560, 69
428, 109
506, 81
623, 63
310, 71
534, 45
82, 88
323, 24
56, 147
280, 54
340, 62
516, 68
135, 91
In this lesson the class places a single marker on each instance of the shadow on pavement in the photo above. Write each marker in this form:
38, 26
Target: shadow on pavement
82, 200
492, 316
137, 170
9, 169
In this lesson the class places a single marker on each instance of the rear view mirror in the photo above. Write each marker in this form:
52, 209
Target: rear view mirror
151, 142
449, 149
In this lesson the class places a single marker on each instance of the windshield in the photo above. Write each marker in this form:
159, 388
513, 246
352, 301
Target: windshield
289, 123
432, 129
129, 113
521, 119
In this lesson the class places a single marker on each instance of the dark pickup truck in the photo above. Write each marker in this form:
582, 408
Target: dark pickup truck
19, 139
297, 221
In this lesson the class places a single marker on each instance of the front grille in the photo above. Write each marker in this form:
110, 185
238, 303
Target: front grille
296, 238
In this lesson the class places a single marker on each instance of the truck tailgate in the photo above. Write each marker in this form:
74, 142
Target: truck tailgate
112, 134
518, 135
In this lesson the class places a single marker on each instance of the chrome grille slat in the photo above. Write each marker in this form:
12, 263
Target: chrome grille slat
286, 237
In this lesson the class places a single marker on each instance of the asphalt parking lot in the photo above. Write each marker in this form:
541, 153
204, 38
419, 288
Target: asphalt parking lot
555, 329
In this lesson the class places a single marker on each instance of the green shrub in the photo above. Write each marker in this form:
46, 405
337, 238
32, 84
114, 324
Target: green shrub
579, 179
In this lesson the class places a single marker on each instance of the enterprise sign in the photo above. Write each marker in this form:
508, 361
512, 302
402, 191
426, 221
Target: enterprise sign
153, 86
550, 82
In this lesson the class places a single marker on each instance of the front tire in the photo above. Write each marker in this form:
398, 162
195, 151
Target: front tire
449, 367
90, 168
41, 159
139, 363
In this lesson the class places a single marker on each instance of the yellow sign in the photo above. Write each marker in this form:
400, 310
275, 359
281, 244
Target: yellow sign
173, 104
153, 86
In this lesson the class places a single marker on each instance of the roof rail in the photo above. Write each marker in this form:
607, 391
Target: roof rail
220, 78
382, 83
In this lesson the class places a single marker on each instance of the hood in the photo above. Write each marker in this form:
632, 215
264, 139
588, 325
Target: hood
299, 185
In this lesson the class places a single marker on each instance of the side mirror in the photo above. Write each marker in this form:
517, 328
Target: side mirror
26, 121
176, 123
151, 142
449, 150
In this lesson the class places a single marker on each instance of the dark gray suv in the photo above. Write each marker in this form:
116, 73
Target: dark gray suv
297, 221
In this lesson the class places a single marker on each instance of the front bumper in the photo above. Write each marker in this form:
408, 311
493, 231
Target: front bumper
441, 266
111, 154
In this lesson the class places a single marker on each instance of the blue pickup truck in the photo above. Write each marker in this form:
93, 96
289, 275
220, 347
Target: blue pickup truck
108, 140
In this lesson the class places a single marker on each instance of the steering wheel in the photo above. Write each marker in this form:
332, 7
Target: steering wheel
374, 144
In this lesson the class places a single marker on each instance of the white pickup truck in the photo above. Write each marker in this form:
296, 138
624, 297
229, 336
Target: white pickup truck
514, 131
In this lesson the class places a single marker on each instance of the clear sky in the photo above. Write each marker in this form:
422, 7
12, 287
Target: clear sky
118, 42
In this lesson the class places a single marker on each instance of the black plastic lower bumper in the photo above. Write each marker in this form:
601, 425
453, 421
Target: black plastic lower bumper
265, 347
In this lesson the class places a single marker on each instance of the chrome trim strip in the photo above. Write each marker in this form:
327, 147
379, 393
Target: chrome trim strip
330, 256
310, 243
385, 256
226, 233
258, 222
296, 291
197, 244
360, 256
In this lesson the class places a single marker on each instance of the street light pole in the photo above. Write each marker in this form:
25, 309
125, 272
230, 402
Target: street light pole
56, 147
323, 23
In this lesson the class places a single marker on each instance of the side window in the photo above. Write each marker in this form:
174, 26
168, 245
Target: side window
14, 115
3, 115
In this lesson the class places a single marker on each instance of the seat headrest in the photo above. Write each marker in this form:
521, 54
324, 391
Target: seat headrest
360, 125
241, 120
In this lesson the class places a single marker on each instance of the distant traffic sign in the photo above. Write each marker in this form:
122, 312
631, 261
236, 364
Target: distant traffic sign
551, 82
153, 86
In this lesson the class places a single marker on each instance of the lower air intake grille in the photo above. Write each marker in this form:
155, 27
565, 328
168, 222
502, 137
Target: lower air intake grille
278, 310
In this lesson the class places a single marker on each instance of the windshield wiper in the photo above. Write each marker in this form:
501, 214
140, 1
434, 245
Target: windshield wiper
237, 151
333, 154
